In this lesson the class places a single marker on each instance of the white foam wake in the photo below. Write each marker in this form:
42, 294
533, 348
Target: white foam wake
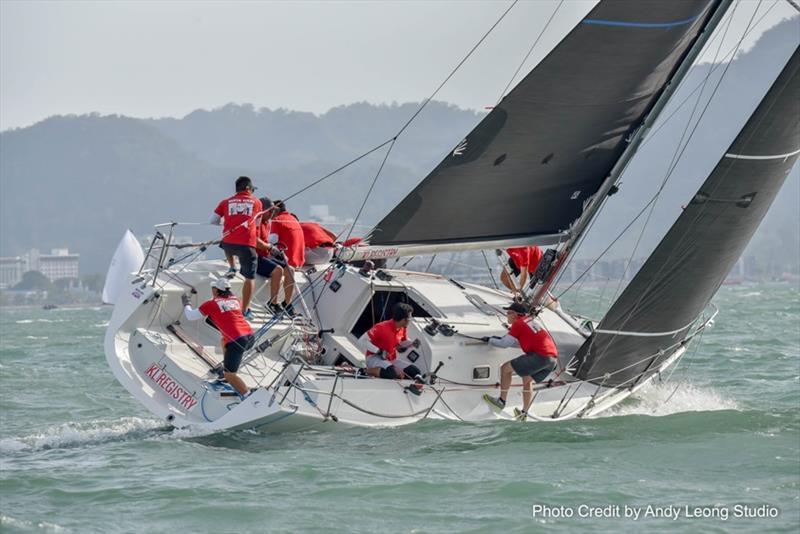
672, 397
77, 434
29, 526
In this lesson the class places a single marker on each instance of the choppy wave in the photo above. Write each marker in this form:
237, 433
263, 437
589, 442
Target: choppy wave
79, 434
673, 397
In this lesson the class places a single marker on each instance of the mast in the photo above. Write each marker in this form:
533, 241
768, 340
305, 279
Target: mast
596, 202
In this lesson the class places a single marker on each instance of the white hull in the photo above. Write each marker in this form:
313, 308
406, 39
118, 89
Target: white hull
167, 366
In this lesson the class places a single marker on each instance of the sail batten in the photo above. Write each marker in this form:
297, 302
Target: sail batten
692, 260
534, 161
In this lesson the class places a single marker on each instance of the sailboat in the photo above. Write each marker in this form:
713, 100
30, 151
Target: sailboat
535, 170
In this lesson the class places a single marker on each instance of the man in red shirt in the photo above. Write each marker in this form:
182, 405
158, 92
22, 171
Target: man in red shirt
240, 215
284, 233
535, 365
225, 311
320, 243
271, 261
521, 261
383, 342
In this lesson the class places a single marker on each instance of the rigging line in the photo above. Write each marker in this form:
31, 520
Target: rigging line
678, 153
639, 301
352, 161
416, 113
489, 268
475, 47
544, 29
713, 69
371, 187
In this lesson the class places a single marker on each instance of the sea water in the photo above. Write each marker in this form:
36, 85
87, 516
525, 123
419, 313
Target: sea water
714, 448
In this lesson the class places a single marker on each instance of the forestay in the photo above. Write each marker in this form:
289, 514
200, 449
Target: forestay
652, 316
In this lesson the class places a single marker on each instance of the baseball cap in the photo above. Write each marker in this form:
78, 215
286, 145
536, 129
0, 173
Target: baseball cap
223, 284
266, 203
517, 308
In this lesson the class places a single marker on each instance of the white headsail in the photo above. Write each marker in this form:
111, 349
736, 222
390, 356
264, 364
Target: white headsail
128, 257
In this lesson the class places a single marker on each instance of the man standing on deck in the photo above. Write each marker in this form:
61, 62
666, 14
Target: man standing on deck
383, 342
225, 310
240, 215
522, 261
535, 365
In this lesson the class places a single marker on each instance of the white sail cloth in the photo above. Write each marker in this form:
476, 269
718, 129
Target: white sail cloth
128, 257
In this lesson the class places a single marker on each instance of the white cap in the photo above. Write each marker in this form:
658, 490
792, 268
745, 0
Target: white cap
223, 284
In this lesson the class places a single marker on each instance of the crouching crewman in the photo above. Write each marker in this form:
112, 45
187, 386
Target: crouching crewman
225, 310
383, 342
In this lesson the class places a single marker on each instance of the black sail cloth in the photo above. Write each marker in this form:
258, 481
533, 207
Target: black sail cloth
687, 268
528, 168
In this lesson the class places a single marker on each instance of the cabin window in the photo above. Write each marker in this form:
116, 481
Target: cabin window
379, 308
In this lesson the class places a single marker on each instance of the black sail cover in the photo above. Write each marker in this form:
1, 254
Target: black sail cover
690, 263
533, 161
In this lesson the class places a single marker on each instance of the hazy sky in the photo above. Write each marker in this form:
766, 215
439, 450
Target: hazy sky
152, 59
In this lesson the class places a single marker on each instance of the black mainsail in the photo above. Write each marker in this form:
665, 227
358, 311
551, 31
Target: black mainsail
527, 170
653, 315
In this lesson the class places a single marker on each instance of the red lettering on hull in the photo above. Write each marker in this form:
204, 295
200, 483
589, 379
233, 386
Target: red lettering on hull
170, 386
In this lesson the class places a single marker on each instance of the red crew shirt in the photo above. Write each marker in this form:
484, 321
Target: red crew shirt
290, 238
226, 312
386, 336
533, 338
527, 257
239, 214
315, 235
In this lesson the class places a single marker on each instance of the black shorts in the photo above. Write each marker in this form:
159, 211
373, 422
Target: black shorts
234, 352
533, 365
247, 258
267, 265
513, 266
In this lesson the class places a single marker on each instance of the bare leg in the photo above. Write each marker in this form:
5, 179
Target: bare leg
506, 373
527, 393
288, 284
237, 383
374, 371
230, 261
275, 284
247, 291
506, 279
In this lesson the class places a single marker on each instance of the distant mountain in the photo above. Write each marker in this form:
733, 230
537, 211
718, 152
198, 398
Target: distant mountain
80, 181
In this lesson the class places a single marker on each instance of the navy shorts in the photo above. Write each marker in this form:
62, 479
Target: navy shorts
235, 350
267, 265
534, 365
513, 266
247, 258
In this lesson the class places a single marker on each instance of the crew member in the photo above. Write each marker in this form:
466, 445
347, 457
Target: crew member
535, 365
521, 261
319, 243
285, 234
240, 214
271, 261
383, 342
225, 310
